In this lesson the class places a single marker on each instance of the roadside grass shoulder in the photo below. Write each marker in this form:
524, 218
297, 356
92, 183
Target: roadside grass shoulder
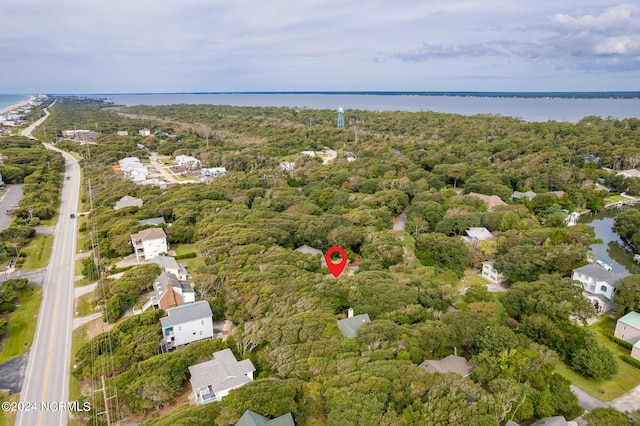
628, 377
38, 252
8, 417
22, 324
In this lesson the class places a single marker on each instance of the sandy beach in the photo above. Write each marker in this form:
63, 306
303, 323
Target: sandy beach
10, 108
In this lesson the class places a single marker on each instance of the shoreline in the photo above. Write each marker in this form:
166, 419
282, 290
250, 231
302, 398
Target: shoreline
10, 108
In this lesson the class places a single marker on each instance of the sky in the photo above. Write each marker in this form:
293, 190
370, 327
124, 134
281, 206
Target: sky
145, 46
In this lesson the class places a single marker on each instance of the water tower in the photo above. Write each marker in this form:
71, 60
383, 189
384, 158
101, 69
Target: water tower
340, 118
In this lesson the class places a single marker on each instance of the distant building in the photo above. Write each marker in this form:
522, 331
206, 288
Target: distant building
127, 201
171, 292
149, 243
313, 252
492, 201
450, 364
350, 325
144, 132
287, 165
599, 284
122, 133
212, 380
309, 153
213, 172
186, 324
188, 162
169, 264
491, 274
477, 234
133, 169
629, 173
155, 221
517, 195
340, 118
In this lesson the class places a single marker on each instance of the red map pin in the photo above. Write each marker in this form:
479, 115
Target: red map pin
336, 268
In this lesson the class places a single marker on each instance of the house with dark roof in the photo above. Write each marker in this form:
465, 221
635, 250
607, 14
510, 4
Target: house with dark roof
185, 324
350, 325
628, 329
212, 380
599, 282
450, 364
149, 243
250, 418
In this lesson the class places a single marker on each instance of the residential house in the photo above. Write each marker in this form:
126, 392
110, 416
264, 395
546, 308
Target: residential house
169, 264
287, 165
599, 283
144, 132
477, 234
631, 173
127, 201
154, 182
188, 162
350, 325
171, 292
313, 252
517, 195
450, 364
628, 329
492, 201
213, 172
122, 133
133, 169
155, 221
250, 418
185, 324
212, 380
149, 243
491, 274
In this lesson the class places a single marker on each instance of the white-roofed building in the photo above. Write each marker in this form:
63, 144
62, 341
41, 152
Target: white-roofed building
212, 380
185, 324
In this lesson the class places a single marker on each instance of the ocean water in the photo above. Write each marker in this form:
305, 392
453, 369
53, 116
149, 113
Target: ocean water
9, 100
526, 106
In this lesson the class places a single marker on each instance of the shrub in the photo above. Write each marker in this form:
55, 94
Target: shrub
186, 256
621, 342
630, 360
7, 307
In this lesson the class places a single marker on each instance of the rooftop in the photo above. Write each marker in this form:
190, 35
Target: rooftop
491, 200
166, 278
149, 234
222, 372
599, 273
349, 326
250, 418
155, 221
185, 313
632, 319
479, 234
450, 364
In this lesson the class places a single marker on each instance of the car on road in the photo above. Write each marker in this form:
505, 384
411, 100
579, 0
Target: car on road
68, 177
73, 216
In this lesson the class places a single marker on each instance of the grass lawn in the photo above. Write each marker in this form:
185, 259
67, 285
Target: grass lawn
614, 199
22, 324
80, 337
8, 417
85, 305
193, 264
628, 377
38, 252
182, 249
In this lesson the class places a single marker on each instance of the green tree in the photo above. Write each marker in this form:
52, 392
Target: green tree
445, 252
607, 417
627, 297
595, 361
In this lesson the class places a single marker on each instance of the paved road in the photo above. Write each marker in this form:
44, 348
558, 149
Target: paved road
47, 375
12, 196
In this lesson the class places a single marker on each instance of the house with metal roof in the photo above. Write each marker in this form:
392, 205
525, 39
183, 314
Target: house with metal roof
169, 264
477, 234
212, 380
312, 252
350, 325
517, 195
127, 201
251, 418
628, 329
599, 282
171, 292
185, 324
450, 364
155, 221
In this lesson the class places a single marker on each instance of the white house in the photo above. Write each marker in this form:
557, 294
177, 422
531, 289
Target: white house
149, 243
213, 172
212, 380
144, 132
477, 234
628, 329
518, 195
491, 274
122, 133
599, 283
188, 162
187, 323
169, 264
287, 165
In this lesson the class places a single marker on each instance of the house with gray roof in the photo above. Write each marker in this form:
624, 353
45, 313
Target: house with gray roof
312, 252
212, 380
171, 292
154, 221
450, 364
127, 201
251, 418
169, 264
628, 329
599, 282
477, 234
350, 325
187, 323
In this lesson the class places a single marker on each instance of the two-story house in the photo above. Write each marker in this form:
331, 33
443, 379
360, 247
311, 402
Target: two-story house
599, 283
188, 162
149, 243
187, 323
491, 274
171, 291
212, 380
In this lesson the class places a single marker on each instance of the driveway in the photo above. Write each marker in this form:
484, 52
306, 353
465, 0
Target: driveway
588, 401
630, 401
12, 373
12, 196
